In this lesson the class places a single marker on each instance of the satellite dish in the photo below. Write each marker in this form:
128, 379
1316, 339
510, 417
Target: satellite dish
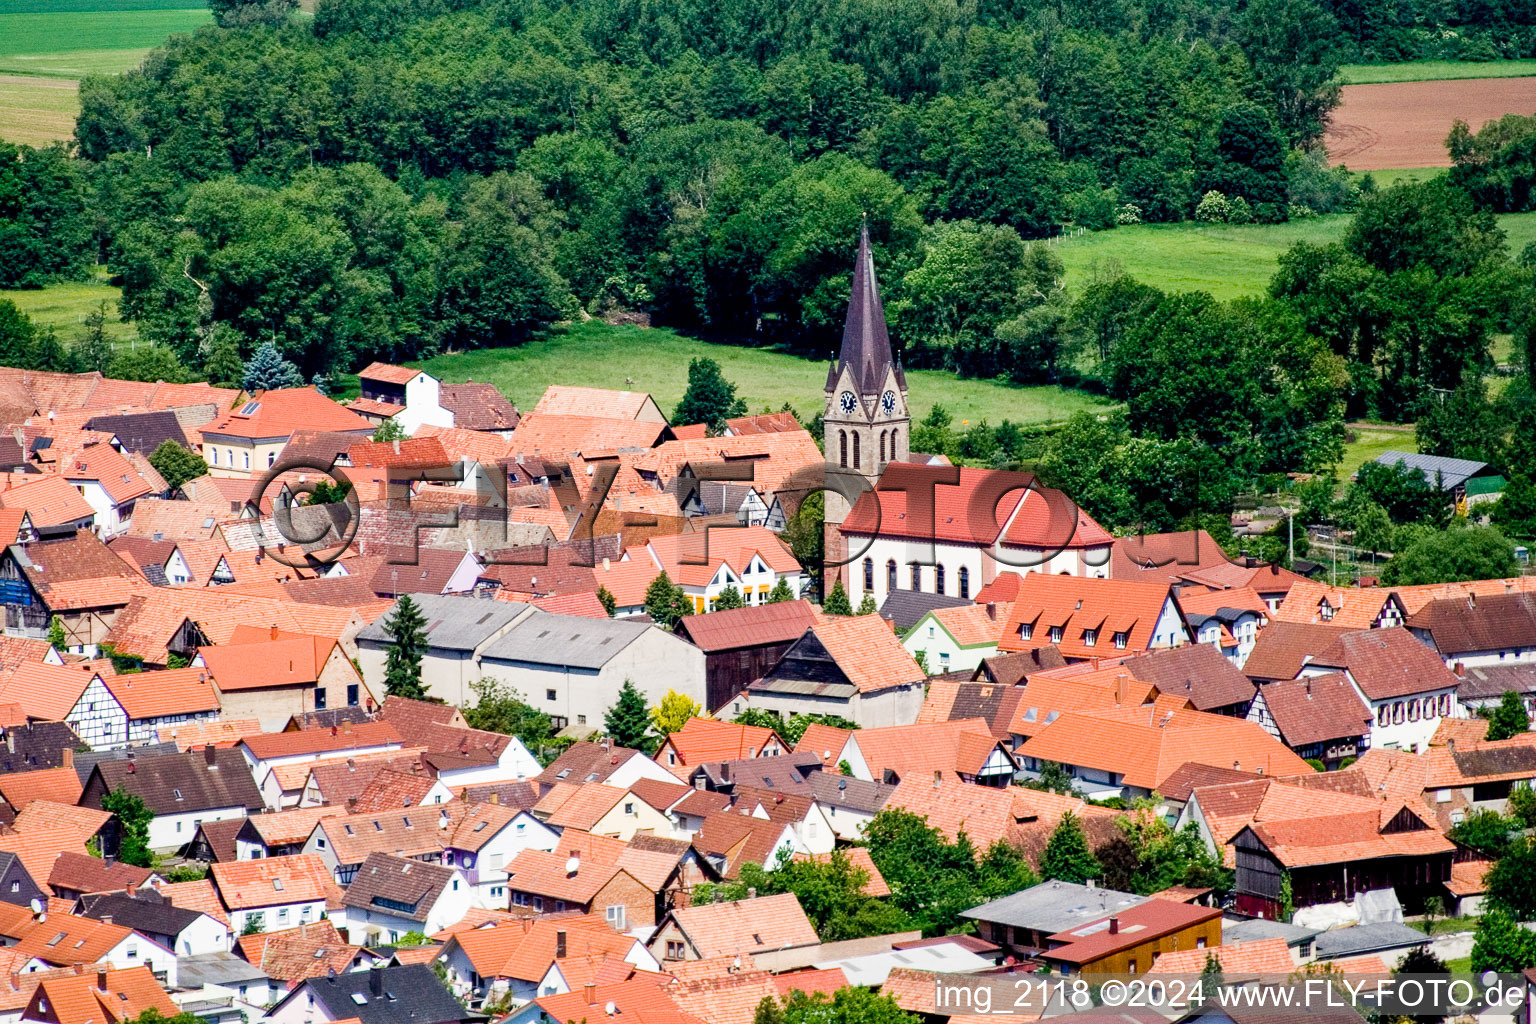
36, 905
611, 1009
572, 865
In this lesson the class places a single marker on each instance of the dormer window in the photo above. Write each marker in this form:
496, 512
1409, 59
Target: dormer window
1325, 610
1122, 640
1056, 634
1090, 637
1026, 630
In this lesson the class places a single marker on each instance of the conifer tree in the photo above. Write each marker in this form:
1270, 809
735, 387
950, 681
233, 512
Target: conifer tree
1067, 857
93, 349
837, 601
607, 600
867, 606
267, 370
781, 591
407, 629
729, 598
628, 722
666, 603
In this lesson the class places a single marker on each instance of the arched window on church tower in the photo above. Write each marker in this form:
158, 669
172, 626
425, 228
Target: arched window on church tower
890, 574
855, 449
882, 446
842, 441
965, 582
894, 449
938, 579
869, 575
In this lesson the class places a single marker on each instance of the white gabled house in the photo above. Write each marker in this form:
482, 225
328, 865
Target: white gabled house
126, 710
1405, 684
391, 896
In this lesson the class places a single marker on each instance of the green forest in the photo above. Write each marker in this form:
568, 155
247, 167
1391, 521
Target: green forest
395, 179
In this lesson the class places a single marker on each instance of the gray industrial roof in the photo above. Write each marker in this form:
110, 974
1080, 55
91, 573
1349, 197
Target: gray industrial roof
1054, 906
1451, 472
574, 641
454, 623
1367, 938
216, 969
1257, 928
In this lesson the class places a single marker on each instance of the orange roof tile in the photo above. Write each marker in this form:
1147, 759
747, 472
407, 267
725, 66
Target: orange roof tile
68, 939
49, 500
314, 741
58, 785
298, 878
193, 735
81, 999
198, 895
961, 746
693, 559
1073, 607
1145, 744
277, 414
543, 433
168, 692
605, 403
388, 372
725, 998
287, 661
866, 650
45, 692
702, 740
1262, 956
766, 923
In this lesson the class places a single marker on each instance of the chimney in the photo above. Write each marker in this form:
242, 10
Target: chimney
751, 892
1461, 669
559, 943
105, 919
938, 779
1114, 926
992, 611
274, 631
397, 446
333, 730
376, 981
1092, 883
725, 771
209, 757
101, 976
1450, 743
1122, 682
131, 889
591, 990
1472, 600
69, 755
131, 767
495, 797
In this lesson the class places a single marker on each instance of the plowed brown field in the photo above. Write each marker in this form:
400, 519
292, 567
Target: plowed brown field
1404, 124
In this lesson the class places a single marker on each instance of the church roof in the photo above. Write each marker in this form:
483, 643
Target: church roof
866, 345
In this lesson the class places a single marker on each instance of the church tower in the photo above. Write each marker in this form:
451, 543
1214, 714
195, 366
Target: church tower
866, 421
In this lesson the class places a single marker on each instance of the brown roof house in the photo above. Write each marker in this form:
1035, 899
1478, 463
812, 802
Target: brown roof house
741, 646
271, 675
182, 789
275, 892
1479, 631
1405, 684
1452, 781
76, 578
593, 875
853, 667
390, 896
1321, 718
738, 928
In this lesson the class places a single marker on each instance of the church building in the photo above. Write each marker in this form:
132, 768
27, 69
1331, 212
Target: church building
880, 520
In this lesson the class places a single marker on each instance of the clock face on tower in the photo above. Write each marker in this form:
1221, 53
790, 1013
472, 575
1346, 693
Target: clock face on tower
847, 401
888, 402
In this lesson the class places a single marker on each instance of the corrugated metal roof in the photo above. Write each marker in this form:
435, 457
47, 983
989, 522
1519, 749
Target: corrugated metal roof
571, 640
453, 623
1452, 472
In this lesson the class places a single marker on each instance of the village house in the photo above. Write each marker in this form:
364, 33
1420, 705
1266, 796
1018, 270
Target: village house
601, 762
1129, 751
48, 507
186, 932
592, 875
1283, 648
409, 397
111, 996
1129, 941
963, 748
249, 440
1227, 620
515, 959
390, 896
67, 940
264, 754
604, 810
705, 739
1087, 617
737, 928
1022, 922
1453, 781
1475, 632
1198, 674
1405, 684
184, 790
271, 675
75, 578
108, 482
380, 995
1483, 687
852, 667
957, 639
741, 645
117, 711
275, 892
750, 559
1321, 718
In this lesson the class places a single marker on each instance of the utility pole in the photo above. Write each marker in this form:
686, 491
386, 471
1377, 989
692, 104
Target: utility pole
1290, 540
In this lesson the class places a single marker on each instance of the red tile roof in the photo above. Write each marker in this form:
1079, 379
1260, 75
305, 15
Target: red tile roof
1078, 604
299, 878
49, 500
763, 924
1387, 663
1316, 709
1146, 744
753, 626
974, 506
314, 741
168, 692
918, 751
388, 372
605, 403
866, 650
1282, 648
277, 414
702, 740
45, 692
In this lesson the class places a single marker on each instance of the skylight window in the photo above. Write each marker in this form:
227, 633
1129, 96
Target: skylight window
359, 999
277, 884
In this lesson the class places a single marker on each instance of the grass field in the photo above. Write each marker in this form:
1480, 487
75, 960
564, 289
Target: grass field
64, 307
75, 43
1369, 443
655, 359
1433, 71
1227, 260
1405, 175
36, 111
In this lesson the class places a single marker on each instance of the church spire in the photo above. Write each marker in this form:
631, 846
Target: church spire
866, 346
